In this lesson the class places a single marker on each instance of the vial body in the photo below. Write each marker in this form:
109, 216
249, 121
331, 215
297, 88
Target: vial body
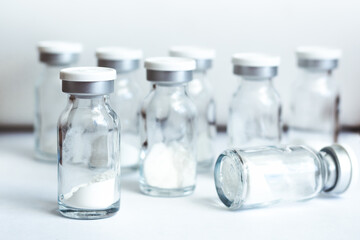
49, 103
126, 102
200, 92
263, 176
314, 109
255, 114
89, 164
168, 137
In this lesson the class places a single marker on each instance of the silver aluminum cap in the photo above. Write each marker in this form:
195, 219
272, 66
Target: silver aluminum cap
203, 56
59, 53
169, 70
121, 66
343, 161
88, 81
59, 59
255, 65
120, 58
318, 58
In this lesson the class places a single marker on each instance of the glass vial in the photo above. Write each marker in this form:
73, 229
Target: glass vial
49, 100
314, 103
89, 142
255, 109
126, 99
168, 130
200, 92
263, 176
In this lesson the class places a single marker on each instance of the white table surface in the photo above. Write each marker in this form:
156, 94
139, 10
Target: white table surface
28, 208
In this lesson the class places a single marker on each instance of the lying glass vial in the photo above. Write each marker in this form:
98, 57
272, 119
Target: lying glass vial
263, 176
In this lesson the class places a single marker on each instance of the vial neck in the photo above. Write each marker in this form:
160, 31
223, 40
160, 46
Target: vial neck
313, 76
255, 83
329, 171
200, 75
53, 69
124, 77
87, 101
170, 89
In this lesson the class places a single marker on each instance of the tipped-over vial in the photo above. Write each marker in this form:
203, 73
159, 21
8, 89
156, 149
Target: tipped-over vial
126, 99
200, 91
49, 100
255, 110
89, 142
168, 130
262, 176
314, 103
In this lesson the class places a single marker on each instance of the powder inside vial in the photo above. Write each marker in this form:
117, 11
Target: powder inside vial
170, 166
258, 188
96, 194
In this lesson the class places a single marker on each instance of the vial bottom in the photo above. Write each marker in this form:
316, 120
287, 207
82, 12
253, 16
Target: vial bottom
45, 157
205, 165
166, 192
88, 214
128, 169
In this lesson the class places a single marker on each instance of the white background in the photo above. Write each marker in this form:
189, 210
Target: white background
230, 26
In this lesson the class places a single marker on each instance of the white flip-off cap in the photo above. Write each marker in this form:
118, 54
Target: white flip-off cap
56, 47
318, 53
118, 53
255, 60
87, 74
169, 64
198, 53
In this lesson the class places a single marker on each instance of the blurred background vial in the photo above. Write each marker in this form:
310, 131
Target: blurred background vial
49, 100
200, 91
255, 109
314, 102
126, 99
168, 129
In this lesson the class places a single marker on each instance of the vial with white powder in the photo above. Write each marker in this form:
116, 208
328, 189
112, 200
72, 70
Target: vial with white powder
315, 98
89, 143
49, 100
200, 91
126, 99
255, 109
262, 176
168, 130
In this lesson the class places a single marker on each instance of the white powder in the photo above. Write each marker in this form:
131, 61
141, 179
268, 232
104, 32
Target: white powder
96, 194
170, 166
258, 188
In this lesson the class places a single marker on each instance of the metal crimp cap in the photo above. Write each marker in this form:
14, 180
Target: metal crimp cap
169, 70
343, 159
88, 81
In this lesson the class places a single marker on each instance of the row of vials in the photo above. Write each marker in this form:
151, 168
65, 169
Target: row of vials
169, 135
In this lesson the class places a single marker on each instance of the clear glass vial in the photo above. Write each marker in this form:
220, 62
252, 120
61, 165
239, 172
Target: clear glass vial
200, 91
89, 143
49, 100
314, 103
168, 130
255, 109
126, 99
263, 176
